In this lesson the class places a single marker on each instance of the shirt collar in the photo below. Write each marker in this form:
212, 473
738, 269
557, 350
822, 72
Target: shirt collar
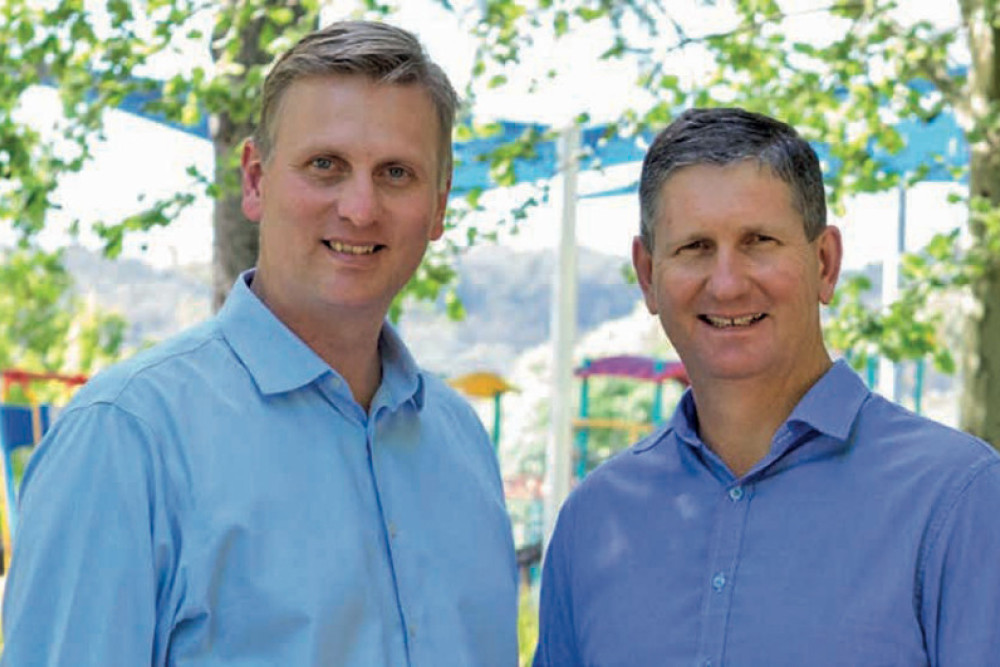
280, 362
402, 380
830, 406
683, 423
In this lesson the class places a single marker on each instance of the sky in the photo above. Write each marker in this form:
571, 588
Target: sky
142, 161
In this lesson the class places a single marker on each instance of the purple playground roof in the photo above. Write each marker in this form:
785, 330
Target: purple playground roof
635, 367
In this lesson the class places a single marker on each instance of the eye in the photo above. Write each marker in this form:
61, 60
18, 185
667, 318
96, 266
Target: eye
762, 238
323, 163
396, 173
693, 246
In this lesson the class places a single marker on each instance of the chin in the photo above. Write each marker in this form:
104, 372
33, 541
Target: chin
745, 369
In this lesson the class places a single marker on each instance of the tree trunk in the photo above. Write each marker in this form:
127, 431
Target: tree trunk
234, 245
980, 402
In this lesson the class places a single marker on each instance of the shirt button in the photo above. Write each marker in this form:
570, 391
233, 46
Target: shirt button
736, 493
719, 581
392, 530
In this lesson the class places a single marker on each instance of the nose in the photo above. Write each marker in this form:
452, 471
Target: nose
728, 277
357, 201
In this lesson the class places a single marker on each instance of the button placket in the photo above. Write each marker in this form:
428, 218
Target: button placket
391, 531
724, 558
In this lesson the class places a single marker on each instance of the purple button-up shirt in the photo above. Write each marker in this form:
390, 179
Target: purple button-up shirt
867, 536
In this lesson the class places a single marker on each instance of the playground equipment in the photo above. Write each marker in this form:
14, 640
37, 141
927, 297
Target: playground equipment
22, 426
640, 368
485, 385
871, 376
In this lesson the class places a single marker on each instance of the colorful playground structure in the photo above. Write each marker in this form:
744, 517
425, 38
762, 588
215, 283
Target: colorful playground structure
870, 373
632, 367
22, 425
490, 386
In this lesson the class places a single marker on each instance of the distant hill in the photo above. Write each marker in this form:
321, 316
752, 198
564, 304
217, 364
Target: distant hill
507, 296
157, 303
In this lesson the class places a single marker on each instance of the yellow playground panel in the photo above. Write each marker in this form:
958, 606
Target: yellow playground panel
485, 385
22, 425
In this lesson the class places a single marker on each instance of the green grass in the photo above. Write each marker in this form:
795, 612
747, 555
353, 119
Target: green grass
527, 628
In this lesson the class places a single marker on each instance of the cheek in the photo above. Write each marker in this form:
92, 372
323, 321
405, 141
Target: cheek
675, 285
417, 217
790, 279
295, 195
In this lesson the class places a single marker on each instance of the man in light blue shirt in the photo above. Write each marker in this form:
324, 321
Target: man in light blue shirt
282, 485
785, 515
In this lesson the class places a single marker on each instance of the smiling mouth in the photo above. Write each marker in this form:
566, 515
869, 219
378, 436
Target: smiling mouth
732, 322
349, 249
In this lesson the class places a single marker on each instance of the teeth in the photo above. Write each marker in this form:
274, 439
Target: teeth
726, 322
336, 246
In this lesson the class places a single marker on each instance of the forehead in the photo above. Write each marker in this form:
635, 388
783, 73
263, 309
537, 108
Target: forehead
741, 194
357, 107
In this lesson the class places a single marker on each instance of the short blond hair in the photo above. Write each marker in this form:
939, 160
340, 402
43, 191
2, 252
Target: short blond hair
381, 52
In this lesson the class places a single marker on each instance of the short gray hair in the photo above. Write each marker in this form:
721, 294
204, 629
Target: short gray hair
381, 52
726, 135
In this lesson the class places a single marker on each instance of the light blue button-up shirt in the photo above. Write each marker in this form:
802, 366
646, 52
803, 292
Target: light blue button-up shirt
868, 536
223, 500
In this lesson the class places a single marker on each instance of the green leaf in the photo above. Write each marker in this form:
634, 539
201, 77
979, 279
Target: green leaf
590, 14
560, 23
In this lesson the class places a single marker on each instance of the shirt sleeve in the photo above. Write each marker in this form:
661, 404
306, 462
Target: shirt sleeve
960, 603
83, 586
556, 634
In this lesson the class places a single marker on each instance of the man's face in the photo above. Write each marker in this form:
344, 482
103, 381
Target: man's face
732, 277
348, 199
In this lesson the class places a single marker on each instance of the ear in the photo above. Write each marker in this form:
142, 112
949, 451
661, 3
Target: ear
252, 170
437, 227
642, 262
830, 252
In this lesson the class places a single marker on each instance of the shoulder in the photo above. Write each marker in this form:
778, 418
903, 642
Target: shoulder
949, 471
130, 402
441, 399
648, 466
458, 428
165, 367
887, 427
444, 409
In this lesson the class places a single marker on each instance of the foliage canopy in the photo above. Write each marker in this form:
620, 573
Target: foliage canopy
846, 89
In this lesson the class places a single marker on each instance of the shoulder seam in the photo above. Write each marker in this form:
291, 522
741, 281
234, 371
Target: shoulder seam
942, 516
140, 370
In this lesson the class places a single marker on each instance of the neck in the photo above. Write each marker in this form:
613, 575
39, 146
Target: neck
357, 360
738, 418
347, 343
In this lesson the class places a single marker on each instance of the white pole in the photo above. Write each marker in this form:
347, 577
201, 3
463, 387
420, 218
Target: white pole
558, 463
890, 292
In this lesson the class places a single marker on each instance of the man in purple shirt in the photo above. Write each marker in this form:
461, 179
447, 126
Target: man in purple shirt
785, 515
